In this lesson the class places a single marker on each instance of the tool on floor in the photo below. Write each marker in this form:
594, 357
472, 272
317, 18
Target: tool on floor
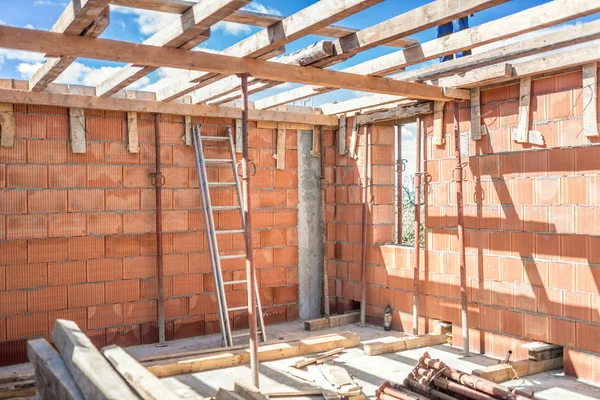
216, 257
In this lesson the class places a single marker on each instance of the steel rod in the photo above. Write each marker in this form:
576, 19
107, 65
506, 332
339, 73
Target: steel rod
250, 270
399, 166
428, 389
417, 248
324, 226
365, 215
158, 180
458, 181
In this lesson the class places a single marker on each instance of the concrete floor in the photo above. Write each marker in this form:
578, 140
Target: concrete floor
369, 371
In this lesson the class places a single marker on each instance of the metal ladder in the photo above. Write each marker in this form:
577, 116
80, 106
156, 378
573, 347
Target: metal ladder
212, 234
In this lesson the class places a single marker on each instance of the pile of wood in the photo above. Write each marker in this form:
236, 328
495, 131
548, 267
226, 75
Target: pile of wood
432, 379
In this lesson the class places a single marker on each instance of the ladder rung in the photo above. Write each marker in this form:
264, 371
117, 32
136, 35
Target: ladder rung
225, 208
218, 160
223, 138
232, 257
237, 308
221, 183
234, 282
229, 231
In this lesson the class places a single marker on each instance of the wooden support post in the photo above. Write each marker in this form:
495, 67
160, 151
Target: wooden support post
77, 129
281, 134
238, 135
438, 123
93, 374
476, 113
521, 135
52, 378
146, 384
342, 136
188, 130
316, 141
590, 96
133, 144
7, 125
354, 139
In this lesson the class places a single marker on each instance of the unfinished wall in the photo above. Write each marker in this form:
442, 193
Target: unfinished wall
532, 240
77, 234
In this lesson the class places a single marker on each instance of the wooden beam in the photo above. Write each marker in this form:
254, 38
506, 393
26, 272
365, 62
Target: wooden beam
590, 99
92, 373
87, 18
503, 372
392, 344
148, 106
48, 42
316, 141
521, 134
7, 125
52, 378
238, 135
438, 123
358, 103
281, 148
332, 322
304, 22
354, 139
188, 31
77, 130
476, 113
188, 130
147, 385
265, 353
341, 142
133, 144
401, 112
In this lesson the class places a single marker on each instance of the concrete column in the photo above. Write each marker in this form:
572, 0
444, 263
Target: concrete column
310, 244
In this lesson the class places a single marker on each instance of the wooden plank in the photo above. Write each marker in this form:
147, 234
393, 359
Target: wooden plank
521, 134
313, 360
248, 391
476, 113
238, 136
297, 393
48, 42
328, 391
188, 130
401, 112
590, 98
223, 394
92, 373
392, 344
281, 148
7, 125
147, 106
502, 372
276, 125
52, 378
147, 386
265, 353
438, 123
316, 141
332, 322
354, 139
341, 142
77, 130
133, 144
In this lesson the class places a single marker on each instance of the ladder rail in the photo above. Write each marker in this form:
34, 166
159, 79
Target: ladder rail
212, 241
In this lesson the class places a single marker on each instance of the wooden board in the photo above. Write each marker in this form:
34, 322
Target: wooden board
7, 125
313, 360
521, 135
271, 352
331, 322
280, 156
392, 344
501, 372
77, 130
476, 113
438, 123
188, 130
590, 98
401, 112
133, 143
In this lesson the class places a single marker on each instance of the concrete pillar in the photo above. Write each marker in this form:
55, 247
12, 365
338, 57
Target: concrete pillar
310, 246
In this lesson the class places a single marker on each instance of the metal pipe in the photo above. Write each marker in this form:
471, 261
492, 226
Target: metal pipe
158, 181
458, 180
428, 390
250, 270
417, 249
389, 393
399, 167
324, 226
365, 213
460, 389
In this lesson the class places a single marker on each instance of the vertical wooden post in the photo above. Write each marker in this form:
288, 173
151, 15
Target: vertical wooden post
417, 248
7, 125
365, 214
342, 136
476, 113
77, 130
590, 95
458, 182
522, 132
133, 143
281, 146
324, 227
250, 270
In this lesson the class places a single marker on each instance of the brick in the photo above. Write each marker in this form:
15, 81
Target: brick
550, 302
176, 177
139, 267
13, 202
586, 278
548, 191
536, 327
273, 277
140, 311
26, 276
86, 294
546, 246
285, 294
66, 273
175, 220
122, 199
577, 305
104, 315
117, 153
66, 176
203, 304
503, 294
104, 269
104, 223
86, 200
185, 199
28, 226
184, 285
13, 302
26, 176
588, 336
104, 176
273, 237
512, 323
47, 299
175, 264
139, 222
272, 198
47, 151
94, 154
122, 291
83, 248
79, 316
45, 201
148, 199
561, 275
287, 178
60, 225
134, 176
176, 307
27, 326
577, 364
104, 128
47, 250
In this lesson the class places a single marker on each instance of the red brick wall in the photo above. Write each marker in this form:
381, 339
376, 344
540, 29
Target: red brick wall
77, 234
532, 217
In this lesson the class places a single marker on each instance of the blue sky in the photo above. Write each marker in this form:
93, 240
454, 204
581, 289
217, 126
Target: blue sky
137, 25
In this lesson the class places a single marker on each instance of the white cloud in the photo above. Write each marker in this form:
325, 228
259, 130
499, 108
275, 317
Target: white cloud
148, 22
257, 7
167, 77
20, 55
235, 29
50, 3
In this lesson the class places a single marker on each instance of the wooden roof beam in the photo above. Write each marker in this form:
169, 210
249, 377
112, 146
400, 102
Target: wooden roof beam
302, 23
192, 28
87, 18
103, 49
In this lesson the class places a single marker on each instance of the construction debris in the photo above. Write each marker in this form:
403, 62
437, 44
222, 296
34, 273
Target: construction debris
323, 356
